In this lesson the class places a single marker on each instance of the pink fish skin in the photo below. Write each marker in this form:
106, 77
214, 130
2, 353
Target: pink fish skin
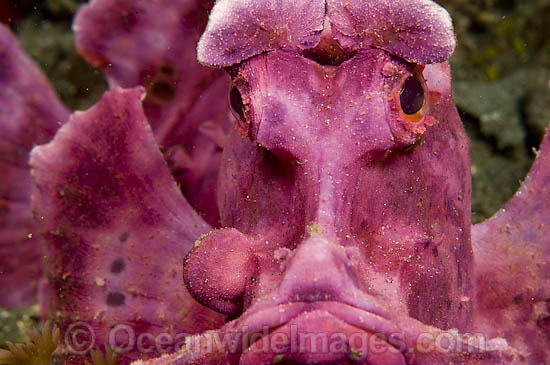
339, 207
30, 113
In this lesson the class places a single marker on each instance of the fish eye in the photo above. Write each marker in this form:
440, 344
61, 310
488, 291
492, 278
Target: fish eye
236, 101
412, 95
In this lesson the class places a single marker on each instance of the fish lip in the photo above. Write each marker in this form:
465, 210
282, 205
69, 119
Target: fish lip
300, 307
253, 321
368, 305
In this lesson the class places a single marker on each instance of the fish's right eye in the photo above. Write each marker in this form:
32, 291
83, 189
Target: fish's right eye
236, 101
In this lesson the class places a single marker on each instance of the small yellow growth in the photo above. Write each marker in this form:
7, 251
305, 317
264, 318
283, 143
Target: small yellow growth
278, 358
201, 237
109, 358
355, 355
314, 229
38, 351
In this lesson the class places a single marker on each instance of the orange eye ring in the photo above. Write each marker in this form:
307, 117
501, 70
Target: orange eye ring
413, 97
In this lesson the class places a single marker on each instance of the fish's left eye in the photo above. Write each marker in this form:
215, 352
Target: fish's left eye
412, 96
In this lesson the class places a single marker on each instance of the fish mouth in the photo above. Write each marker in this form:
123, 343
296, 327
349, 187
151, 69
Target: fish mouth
319, 332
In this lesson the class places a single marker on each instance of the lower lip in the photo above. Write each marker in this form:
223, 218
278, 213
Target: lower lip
321, 333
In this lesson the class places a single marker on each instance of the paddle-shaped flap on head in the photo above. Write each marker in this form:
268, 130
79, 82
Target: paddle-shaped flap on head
419, 31
239, 29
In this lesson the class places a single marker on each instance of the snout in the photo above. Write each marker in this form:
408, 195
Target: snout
318, 270
317, 314
314, 313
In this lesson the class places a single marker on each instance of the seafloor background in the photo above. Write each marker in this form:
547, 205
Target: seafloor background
501, 73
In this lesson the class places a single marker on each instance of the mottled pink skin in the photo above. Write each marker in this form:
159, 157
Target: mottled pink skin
353, 216
512, 266
188, 126
30, 113
329, 147
341, 214
386, 227
117, 226
152, 43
